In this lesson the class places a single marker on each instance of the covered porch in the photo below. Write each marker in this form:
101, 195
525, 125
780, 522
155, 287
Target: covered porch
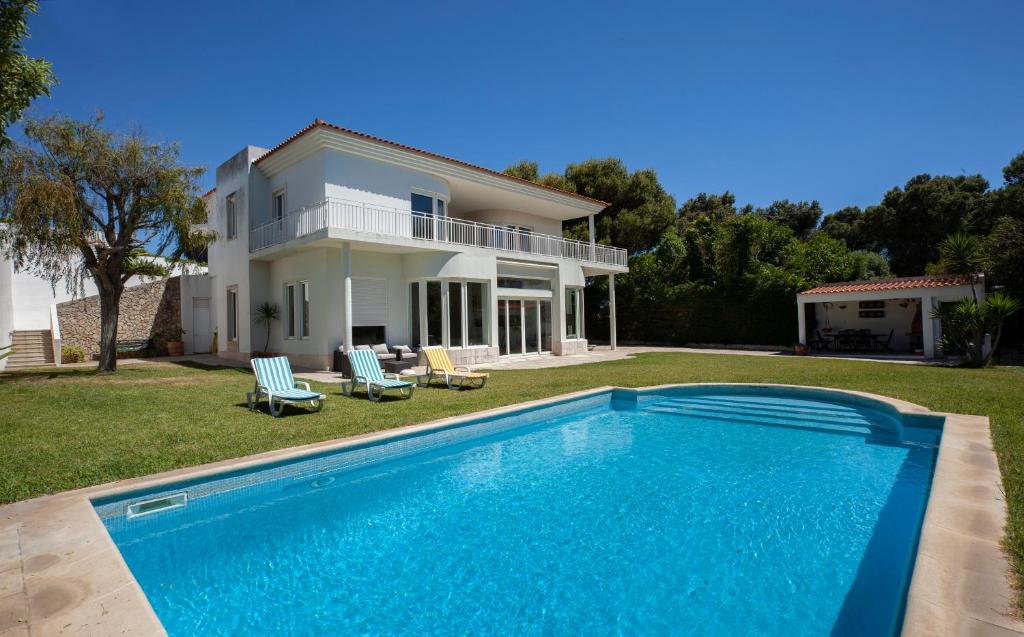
884, 316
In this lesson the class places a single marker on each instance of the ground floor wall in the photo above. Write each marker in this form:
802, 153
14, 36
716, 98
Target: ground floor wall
308, 289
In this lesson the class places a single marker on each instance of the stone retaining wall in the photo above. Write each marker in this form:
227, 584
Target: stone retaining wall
147, 311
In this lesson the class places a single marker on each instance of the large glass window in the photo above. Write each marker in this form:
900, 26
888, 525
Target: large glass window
414, 308
515, 326
434, 310
422, 216
545, 326
304, 297
572, 313
531, 326
232, 216
476, 303
502, 327
232, 314
455, 314
289, 311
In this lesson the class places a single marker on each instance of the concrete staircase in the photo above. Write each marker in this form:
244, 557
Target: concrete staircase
32, 348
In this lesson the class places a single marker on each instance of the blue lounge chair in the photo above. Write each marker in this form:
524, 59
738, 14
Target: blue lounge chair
274, 378
366, 371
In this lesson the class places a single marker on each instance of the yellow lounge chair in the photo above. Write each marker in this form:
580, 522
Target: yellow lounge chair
456, 377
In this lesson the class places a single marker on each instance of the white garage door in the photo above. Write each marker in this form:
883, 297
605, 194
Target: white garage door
369, 301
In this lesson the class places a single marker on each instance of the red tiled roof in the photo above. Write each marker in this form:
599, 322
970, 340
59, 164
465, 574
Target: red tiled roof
318, 123
902, 283
208, 193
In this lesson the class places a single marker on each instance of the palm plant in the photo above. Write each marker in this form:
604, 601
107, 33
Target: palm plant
966, 322
266, 313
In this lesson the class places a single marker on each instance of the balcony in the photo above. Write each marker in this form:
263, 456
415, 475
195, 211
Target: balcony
392, 223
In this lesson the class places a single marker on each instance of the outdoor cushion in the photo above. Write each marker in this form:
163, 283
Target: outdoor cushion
403, 350
296, 394
362, 347
381, 350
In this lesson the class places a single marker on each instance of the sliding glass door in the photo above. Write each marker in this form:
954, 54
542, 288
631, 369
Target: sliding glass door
524, 326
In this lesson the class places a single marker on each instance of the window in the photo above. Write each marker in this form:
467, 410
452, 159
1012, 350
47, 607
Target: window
572, 312
521, 238
426, 212
277, 205
231, 215
304, 308
475, 313
463, 304
434, 311
455, 314
524, 284
414, 308
232, 314
289, 311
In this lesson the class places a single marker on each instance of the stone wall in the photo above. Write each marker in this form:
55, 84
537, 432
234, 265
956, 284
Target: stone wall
147, 311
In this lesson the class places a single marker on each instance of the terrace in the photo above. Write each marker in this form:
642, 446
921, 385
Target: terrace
339, 218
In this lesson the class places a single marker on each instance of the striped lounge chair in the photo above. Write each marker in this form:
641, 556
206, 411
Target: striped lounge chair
366, 371
456, 377
274, 378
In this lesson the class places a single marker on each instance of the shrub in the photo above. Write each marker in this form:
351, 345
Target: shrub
73, 354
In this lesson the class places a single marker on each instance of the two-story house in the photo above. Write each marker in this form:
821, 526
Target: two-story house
359, 240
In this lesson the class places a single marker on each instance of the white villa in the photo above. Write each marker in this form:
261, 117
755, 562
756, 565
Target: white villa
359, 240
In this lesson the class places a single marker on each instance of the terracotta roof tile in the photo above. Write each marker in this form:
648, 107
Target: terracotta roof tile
319, 123
882, 285
208, 193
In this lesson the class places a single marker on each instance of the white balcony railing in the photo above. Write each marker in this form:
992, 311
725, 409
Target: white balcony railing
390, 222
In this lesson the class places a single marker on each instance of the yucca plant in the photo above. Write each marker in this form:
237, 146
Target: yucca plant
266, 313
966, 323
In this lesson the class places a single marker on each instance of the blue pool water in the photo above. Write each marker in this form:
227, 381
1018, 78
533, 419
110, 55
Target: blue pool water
715, 512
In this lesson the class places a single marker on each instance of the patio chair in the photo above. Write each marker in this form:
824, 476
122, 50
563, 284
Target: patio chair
884, 345
819, 342
456, 377
366, 371
274, 378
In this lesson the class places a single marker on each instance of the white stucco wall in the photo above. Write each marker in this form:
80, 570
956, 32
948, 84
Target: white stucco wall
357, 179
229, 259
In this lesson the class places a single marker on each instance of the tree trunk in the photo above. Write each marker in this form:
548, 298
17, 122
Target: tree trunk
110, 308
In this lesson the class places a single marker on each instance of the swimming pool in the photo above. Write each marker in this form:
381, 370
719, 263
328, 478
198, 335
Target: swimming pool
711, 510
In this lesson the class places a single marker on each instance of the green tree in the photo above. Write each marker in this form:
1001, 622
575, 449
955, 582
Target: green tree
718, 208
848, 226
22, 78
799, 216
910, 223
79, 200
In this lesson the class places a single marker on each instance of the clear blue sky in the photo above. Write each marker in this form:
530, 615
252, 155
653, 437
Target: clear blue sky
837, 101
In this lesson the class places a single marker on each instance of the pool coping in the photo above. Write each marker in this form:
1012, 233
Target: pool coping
61, 573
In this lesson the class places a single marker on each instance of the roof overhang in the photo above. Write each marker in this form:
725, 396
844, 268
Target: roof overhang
473, 187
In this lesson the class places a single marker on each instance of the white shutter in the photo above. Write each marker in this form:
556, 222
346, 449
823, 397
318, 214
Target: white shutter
369, 301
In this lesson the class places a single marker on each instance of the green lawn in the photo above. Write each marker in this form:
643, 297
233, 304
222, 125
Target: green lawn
61, 429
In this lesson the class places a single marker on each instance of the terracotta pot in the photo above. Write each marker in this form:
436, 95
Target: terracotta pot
800, 349
175, 348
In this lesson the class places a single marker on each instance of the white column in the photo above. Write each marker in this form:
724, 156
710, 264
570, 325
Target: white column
927, 327
346, 315
593, 235
583, 315
801, 320
611, 310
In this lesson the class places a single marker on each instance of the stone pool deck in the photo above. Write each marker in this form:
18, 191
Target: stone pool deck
61, 574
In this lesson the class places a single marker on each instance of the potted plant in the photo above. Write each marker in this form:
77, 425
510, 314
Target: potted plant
800, 349
172, 339
266, 313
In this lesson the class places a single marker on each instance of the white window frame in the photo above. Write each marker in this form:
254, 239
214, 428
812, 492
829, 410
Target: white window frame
288, 331
232, 313
446, 341
435, 196
305, 329
231, 216
578, 296
282, 193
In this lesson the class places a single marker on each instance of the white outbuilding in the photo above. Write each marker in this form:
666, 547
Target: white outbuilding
880, 315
